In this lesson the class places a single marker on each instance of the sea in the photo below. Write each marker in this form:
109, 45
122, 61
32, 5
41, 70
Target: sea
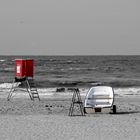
120, 72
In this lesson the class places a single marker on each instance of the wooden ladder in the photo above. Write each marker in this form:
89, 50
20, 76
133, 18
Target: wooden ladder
32, 89
76, 99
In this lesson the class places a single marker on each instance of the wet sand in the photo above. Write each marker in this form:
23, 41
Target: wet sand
48, 119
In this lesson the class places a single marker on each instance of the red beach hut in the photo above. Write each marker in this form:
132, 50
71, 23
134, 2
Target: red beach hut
24, 68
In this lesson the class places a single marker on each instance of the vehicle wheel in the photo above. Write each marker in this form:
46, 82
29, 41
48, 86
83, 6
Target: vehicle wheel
114, 109
85, 110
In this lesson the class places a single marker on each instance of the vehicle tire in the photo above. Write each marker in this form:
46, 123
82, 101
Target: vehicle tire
85, 110
114, 109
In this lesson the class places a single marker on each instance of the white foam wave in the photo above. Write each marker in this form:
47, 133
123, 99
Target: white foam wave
52, 92
8, 85
2, 60
9, 69
127, 91
4, 87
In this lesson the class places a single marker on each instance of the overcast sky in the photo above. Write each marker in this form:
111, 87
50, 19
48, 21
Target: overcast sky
69, 27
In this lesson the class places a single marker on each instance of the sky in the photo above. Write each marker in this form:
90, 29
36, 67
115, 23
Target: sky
69, 27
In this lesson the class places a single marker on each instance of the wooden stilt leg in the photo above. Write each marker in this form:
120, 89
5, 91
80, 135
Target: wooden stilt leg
30, 87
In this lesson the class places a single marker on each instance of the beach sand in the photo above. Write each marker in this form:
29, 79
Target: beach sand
23, 119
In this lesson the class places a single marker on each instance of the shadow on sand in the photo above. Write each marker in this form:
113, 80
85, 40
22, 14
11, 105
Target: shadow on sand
129, 112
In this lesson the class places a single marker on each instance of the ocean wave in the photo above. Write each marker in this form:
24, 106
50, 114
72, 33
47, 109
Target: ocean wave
123, 83
82, 69
2, 60
9, 85
127, 91
9, 69
83, 91
60, 81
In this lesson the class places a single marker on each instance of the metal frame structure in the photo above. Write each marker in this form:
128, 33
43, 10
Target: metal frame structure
76, 99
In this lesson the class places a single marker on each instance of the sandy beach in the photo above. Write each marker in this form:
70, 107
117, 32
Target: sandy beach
48, 119
51, 48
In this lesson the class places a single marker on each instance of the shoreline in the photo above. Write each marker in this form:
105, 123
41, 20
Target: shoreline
67, 91
21, 102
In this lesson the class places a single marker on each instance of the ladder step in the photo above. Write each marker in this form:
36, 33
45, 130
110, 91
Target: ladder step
78, 102
35, 97
33, 90
34, 93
